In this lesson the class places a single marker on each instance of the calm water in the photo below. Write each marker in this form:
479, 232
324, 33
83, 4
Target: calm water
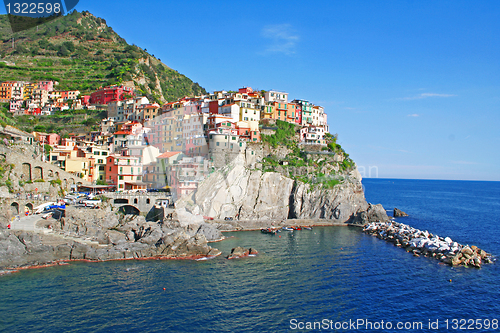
334, 273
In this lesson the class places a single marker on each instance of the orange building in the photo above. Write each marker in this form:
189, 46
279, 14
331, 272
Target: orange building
6, 91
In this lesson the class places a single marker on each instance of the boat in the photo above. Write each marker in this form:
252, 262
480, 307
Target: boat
287, 228
268, 231
308, 228
297, 228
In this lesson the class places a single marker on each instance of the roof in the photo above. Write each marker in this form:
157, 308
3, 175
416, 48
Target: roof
169, 154
122, 132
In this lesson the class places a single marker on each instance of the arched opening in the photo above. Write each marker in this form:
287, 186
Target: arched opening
3, 157
51, 173
26, 171
28, 208
79, 184
38, 173
57, 175
120, 201
129, 210
148, 201
14, 207
135, 201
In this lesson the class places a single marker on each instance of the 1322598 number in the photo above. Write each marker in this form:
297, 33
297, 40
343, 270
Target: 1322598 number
33, 8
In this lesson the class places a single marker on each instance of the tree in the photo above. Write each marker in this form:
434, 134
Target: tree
47, 148
63, 51
70, 46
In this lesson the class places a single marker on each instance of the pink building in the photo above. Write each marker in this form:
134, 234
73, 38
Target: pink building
46, 85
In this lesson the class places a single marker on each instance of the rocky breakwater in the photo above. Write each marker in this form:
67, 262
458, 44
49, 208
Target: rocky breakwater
243, 193
424, 243
96, 235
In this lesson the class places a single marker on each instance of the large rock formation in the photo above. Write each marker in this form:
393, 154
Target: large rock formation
240, 192
105, 235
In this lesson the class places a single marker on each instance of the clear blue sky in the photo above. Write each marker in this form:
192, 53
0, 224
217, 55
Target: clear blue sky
411, 87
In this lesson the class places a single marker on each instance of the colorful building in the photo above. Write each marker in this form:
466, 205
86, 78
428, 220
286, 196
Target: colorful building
110, 94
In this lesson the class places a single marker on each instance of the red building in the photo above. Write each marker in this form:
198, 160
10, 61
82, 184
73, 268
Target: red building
213, 107
85, 100
111, 94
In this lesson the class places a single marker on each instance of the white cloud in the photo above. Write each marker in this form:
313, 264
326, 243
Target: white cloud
414, 115
282, 37
426, 95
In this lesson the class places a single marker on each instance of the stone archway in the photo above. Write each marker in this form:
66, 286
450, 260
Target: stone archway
3, 157
38, 173
57, 175
129, 210
14, 207
28, 208
26, 171
50, 173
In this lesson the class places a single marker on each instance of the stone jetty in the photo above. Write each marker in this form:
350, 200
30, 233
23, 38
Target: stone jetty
424, 243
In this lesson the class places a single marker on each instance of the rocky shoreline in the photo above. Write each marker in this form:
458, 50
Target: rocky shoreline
424, 243
102, 235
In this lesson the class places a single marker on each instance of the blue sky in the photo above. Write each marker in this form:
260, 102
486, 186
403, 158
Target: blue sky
411, 87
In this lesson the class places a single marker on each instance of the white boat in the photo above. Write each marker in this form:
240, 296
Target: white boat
287, 228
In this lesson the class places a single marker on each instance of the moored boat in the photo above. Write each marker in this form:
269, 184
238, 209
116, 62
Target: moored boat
268, 231
287, 228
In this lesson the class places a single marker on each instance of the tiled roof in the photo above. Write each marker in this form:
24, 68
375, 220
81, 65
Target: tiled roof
168, 154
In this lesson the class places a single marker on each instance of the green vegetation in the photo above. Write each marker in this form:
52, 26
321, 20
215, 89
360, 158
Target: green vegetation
55, 182
62, 123
82, 53
303, 166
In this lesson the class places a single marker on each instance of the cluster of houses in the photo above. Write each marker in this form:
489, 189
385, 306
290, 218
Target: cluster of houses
144, 145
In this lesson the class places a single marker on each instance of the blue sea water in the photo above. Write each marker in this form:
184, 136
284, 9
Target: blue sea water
329, 274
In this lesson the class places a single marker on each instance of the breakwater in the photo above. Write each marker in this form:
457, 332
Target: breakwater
427, 244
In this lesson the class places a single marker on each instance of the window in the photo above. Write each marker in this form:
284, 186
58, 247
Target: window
100, 161
121, 169
217, 144
110, 170
101, 168
120, 177
132, 170
233, 138
54, 158
241, 144
96, 153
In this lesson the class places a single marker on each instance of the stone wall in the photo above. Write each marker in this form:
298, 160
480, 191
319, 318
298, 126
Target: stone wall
26, 170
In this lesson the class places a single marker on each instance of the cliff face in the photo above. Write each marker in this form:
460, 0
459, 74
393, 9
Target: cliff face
242, 192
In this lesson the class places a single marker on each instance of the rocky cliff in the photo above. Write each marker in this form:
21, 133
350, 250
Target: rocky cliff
244, 192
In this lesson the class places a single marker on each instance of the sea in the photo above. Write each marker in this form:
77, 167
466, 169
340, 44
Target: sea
329, 279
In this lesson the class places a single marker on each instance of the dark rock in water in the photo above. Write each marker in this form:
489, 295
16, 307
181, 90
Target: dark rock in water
399, 213
374, 213
239, 252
